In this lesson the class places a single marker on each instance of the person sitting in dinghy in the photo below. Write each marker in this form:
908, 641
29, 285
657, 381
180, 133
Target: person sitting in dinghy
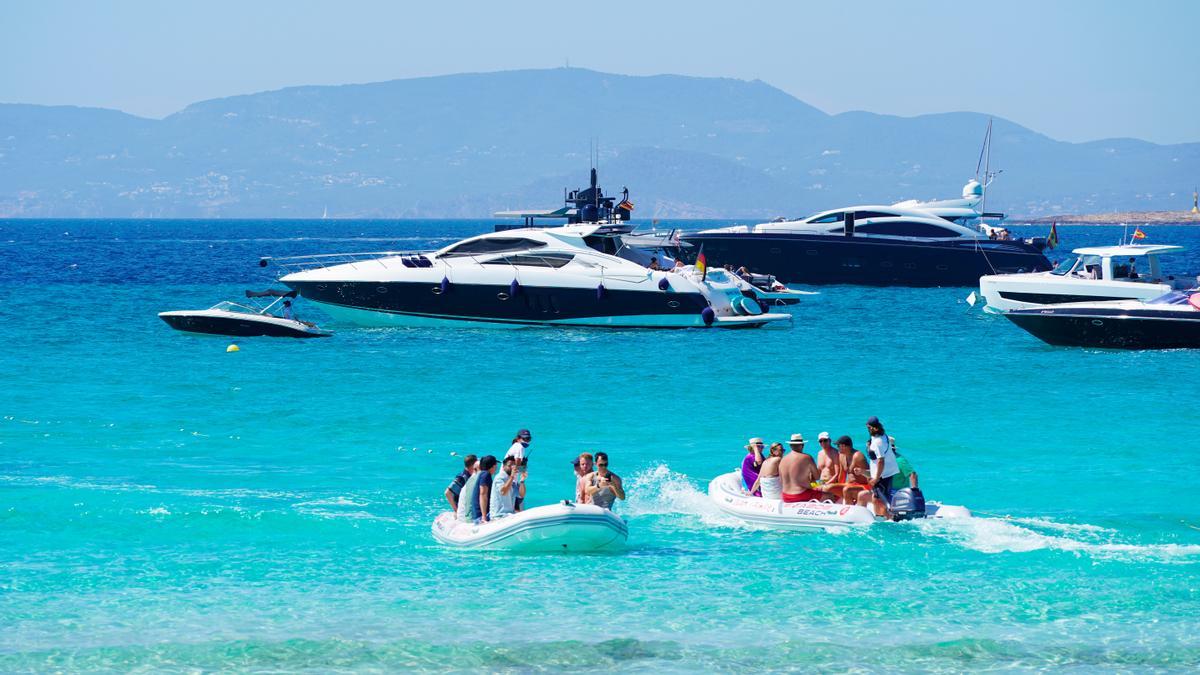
854, 473
603, 486
768, 483
475, 501
456, 485
506, 489
752, 463
798, 474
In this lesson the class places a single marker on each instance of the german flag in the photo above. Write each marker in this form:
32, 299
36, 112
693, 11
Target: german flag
702, 263
1052, 239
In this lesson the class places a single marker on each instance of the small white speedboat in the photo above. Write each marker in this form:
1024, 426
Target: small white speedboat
565, 526
731, 496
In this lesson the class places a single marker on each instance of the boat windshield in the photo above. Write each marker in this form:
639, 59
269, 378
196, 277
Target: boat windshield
1172, 298
1064, 267
234, 307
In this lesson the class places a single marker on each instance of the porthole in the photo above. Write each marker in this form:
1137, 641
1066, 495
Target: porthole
672, 303
382, 290
437, 290
1097, 322
502, 295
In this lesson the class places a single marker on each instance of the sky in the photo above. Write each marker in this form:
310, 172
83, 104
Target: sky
1075, 71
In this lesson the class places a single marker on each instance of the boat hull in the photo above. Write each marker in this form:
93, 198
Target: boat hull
728, 494
235, 324
391, 303
1115, 328
1006, 292
563, 527
824, 259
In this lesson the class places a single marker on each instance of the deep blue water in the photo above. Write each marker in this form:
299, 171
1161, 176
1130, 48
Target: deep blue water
166, 505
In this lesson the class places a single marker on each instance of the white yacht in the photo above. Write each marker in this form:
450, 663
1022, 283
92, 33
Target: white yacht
1096, 274
532, 276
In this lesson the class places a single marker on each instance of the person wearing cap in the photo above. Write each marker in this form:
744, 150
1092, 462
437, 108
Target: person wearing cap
768, 483
883, 466
520, 451
853, 478
798, 473
752, 463
583, 466
827, 459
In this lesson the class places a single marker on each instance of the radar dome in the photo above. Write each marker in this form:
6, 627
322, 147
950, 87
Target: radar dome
972, 189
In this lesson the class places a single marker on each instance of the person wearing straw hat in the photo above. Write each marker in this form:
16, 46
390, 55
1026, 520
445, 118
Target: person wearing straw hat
798, 472
752, 463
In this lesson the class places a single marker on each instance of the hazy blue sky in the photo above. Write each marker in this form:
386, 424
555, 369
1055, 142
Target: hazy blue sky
1072, 70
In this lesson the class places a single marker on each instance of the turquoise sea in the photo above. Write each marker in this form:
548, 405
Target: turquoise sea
168, 506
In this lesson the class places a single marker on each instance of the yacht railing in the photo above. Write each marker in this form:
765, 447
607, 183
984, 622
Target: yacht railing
300, 263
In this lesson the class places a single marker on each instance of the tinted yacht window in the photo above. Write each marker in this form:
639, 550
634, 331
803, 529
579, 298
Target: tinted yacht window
872, 214
493, 245
831, 218
907, 229
555, 260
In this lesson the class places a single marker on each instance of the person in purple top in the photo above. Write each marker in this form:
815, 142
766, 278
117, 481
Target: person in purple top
752, 463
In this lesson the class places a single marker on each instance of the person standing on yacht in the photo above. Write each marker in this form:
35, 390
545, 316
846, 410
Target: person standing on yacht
520, 450
768, 479
883, 466
752, 463
604, 487
456, 485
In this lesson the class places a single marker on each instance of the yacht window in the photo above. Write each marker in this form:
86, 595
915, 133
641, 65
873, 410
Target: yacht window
831, 218
1064, 268
906, 229
554, 260
493, 245
872, 214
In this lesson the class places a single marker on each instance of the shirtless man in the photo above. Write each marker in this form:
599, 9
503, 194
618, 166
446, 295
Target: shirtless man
855, 473
827, 459
798, 472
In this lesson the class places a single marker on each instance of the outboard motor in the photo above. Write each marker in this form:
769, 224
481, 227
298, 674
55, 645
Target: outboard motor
908, 503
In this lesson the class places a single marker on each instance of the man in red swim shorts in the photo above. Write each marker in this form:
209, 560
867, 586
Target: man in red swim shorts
797, 472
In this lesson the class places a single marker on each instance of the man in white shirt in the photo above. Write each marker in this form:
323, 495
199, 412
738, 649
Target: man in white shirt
883, 465
505, 490
520, 451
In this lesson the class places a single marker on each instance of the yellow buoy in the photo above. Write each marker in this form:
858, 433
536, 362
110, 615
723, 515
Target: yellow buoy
232, 348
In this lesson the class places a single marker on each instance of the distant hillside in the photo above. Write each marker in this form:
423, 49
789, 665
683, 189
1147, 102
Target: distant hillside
466, 145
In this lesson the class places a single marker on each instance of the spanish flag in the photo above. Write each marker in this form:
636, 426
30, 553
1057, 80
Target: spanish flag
702, 263
625, 204
1052, 239
1138, 234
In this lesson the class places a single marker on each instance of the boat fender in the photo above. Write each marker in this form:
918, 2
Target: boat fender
708, 315
664, 285
445, 284
601, 291
1194, 300
514, 288
262, 262
908, 503
232, 348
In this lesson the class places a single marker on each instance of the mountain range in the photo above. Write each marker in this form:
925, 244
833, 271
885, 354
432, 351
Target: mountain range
467, 145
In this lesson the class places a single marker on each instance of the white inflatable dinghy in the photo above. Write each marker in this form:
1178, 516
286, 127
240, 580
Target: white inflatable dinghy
565, 526
730, 495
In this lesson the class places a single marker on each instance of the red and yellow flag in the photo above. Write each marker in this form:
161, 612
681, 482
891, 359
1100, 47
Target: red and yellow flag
1138, 234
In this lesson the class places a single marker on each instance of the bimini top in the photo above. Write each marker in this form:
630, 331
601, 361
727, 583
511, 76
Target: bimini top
1127, 250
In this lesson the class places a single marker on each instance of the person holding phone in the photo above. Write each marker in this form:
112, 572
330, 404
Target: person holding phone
603, 486
520, 451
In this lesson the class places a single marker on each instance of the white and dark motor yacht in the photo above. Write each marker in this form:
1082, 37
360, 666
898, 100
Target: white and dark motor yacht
1095, 274
243, 320
1170, 321
580, 274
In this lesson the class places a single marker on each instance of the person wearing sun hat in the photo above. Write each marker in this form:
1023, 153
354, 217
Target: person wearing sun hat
752, 462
